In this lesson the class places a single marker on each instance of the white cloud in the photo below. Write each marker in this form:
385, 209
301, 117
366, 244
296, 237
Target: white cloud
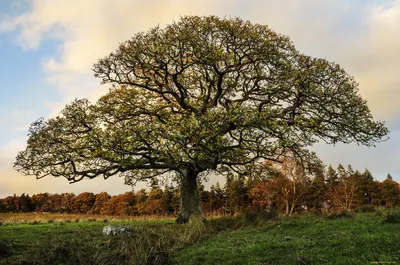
362, 39
317, 27
89, 30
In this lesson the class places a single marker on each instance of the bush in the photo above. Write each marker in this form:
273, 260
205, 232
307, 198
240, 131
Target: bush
253, 217
340, 215
223, 223
366, 208
392, 217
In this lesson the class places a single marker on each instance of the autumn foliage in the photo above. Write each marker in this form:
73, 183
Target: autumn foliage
288, 191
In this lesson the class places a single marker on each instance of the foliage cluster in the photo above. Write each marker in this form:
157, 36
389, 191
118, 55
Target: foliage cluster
153, 202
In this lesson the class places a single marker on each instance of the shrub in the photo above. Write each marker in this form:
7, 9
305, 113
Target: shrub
253, 217
379, 213
340, 215
392, 217
366, 208
223, 223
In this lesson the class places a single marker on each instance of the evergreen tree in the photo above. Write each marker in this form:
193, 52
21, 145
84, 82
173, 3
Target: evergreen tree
317, 193
342, 174
167, 200
390, 192
236, 192
25, 203
217, 195
369, 190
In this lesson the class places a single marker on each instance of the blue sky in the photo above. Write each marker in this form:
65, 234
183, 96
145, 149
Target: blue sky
47, 48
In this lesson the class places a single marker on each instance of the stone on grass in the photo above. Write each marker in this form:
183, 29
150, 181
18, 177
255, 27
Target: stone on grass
117, 230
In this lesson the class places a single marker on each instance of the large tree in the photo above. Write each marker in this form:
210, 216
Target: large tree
202, 94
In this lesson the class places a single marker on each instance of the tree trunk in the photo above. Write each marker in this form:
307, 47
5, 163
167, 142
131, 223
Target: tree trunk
286, 207
190, 202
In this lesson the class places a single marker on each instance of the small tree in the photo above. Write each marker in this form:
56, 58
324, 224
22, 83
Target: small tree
200, 95
84, 202
345, 193
68, 202
100, 200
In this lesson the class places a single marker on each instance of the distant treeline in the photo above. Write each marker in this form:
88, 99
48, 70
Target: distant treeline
288, 191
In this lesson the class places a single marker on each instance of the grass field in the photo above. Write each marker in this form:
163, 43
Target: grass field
29, 218
363, 238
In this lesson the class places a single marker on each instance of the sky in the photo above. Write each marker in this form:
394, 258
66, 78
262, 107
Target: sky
48, 47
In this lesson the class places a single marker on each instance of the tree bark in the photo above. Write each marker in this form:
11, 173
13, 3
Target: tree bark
190, 202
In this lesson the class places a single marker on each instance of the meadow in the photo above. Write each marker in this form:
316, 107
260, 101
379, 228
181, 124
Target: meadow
252, 238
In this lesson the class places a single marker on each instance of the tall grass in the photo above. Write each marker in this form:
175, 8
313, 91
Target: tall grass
148, 243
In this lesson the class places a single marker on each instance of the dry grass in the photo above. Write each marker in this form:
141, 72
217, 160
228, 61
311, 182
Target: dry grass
43, 218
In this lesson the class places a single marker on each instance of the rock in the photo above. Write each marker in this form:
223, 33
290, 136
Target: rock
117, 230
288, 238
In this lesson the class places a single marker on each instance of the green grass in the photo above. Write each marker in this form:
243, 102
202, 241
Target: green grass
301, 240
250, 239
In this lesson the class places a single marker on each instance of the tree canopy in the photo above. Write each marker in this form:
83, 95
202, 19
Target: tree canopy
202, 94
